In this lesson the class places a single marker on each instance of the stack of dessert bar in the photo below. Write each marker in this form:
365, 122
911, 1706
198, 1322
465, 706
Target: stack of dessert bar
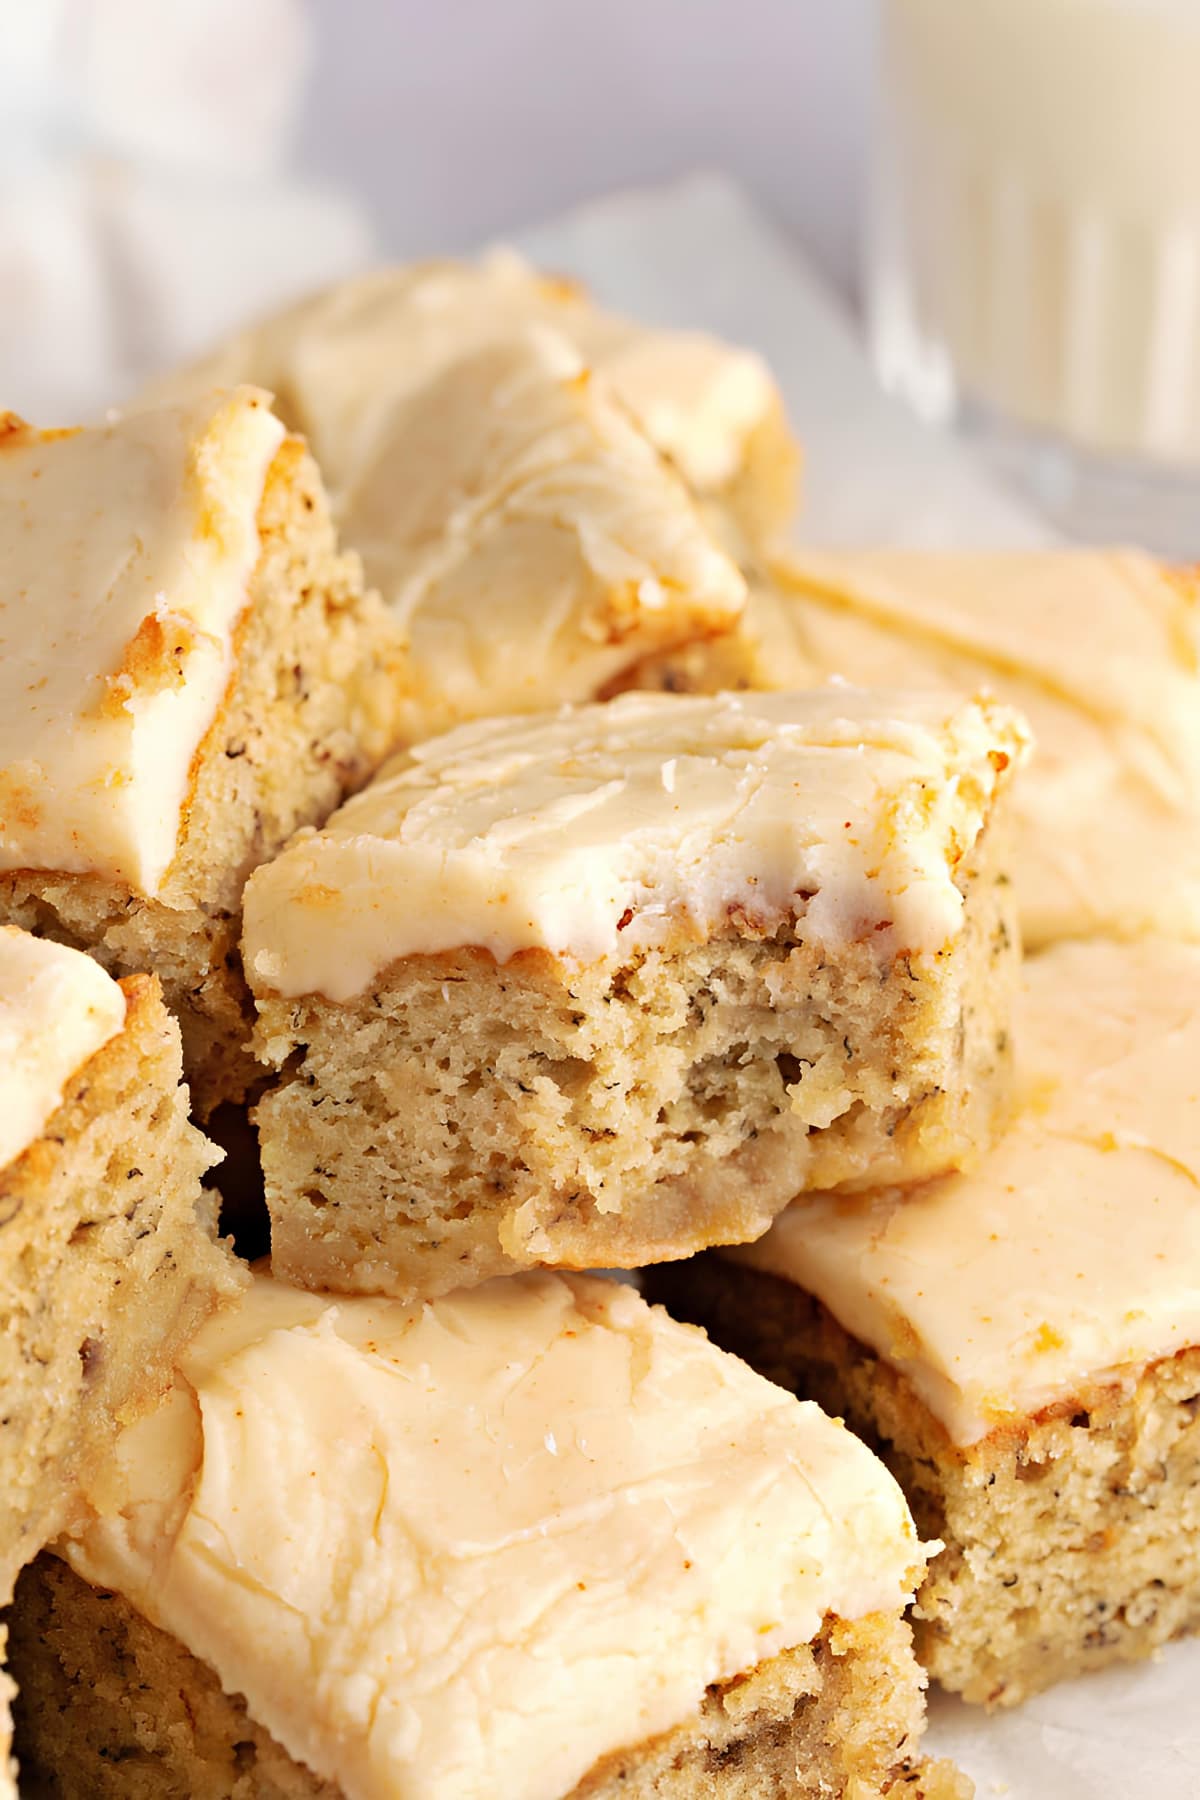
520, 866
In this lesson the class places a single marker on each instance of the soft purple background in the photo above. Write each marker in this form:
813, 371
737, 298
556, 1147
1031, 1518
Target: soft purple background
459, 119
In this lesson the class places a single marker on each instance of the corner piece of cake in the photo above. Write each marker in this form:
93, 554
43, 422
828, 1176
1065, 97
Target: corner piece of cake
1099, 649
531, 542
108, 1258
340, 360
188, 671
566, 1547
1022, 1343
608, 985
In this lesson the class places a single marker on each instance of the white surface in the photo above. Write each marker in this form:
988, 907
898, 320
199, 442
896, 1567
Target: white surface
700, 256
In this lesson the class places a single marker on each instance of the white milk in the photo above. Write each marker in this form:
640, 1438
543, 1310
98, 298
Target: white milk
1039, 220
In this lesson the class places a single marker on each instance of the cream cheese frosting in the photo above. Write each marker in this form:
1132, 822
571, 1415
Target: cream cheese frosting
126, 549
597, 829
526, 535
1072, 1255
341, 360
466, 1549
1100, 650
57, 1008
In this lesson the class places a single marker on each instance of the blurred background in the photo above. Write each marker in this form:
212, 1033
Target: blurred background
455, 120
1024, 269
169, 166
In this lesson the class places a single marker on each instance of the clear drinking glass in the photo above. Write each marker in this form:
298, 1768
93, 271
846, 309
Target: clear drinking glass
1033, 256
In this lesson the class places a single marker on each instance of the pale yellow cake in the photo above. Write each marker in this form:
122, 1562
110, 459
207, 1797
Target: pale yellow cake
1100, 650
188, 671
565, 1548
1022, 1343
605, 986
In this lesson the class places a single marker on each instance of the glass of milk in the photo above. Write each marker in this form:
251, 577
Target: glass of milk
1033, 260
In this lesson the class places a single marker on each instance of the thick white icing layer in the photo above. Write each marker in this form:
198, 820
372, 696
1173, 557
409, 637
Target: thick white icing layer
125, 550
528, 538
598, 828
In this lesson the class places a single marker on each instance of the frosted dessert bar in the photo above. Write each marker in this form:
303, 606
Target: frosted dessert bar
340, 361
1100, 650
529, 538
1022, 1343
530, 541
565, 1548
108, 1259
612, 984
188, 671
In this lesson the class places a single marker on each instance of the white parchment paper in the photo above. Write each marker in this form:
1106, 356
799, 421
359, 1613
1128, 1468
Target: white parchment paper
700, 255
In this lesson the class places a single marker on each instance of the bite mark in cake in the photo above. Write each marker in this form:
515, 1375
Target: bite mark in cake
608, 985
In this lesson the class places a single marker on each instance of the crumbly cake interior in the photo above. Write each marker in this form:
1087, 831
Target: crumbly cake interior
150, 1722
307, 717
1071, 1542
107, 1265
461, 1120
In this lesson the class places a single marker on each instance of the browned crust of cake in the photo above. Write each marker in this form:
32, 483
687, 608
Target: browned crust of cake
112, 1708
108, 1264
309, 713
1072, 1536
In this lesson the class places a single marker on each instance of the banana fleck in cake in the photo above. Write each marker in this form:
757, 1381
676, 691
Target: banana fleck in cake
565, 1548
531, 542
608, 985
1099, 649
340, 361
188, 671
108, 1259
1022, 1343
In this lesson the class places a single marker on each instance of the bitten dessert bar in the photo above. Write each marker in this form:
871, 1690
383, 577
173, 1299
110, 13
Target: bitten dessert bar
611, 984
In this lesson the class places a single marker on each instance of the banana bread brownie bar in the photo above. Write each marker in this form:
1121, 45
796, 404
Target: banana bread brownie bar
1022, 1343
566, 1548
529, 539
1100, 650
188, 671
108, 1259
612, 984
339, 361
